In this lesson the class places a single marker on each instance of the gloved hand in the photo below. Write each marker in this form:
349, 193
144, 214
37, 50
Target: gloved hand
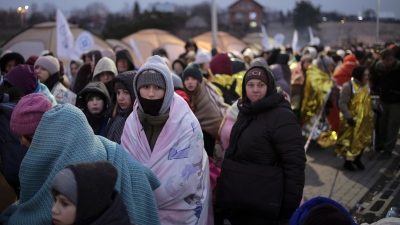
351, 122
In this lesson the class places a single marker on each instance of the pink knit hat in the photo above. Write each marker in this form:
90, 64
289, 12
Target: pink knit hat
28, 113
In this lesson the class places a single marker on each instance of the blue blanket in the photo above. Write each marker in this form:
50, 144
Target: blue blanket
64, 137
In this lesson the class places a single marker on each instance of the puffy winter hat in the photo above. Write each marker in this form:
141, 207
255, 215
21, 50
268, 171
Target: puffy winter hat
193, 70
64, 182
23, 77
221, 64
149, 77
50, 63
28, 113
95, 183
203, 57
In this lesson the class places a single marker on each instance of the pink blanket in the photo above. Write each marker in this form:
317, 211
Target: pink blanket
178, 160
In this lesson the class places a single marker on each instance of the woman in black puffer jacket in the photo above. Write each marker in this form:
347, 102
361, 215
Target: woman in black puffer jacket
269, 134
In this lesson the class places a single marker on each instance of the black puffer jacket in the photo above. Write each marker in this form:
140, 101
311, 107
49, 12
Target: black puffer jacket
271, 135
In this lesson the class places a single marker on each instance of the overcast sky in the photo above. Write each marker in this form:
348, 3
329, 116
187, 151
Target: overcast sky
344, 6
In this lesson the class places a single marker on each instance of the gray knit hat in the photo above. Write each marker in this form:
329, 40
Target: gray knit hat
148, 77
50, 63
64, 182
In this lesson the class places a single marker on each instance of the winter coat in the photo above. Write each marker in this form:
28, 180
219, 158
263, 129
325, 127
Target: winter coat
11, 151
115, 214
272, 135
388, 82
83, 77
282, 75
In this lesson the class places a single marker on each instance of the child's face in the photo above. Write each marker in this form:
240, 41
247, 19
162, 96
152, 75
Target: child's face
123, 98
151, 92
190, 83
42, 73
95, 105
64, 211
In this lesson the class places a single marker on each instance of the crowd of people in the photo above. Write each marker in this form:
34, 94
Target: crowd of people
208, 137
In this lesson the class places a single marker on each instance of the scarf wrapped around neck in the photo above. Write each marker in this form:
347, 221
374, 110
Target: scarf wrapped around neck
179, 161
63, 137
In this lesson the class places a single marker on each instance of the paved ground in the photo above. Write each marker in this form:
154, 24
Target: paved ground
366, 194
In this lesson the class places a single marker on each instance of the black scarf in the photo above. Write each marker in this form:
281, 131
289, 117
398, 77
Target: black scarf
151, 107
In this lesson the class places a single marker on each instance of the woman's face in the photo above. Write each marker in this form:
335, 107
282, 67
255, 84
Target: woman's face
74, 69
306, 64
95, 105
123, 98
122, 65
151, 92
190, 83
256, 90
42, 73
10, 65
106, 77
63, 211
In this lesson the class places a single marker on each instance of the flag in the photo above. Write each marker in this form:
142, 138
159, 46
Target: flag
136, 50
279, 39
295, 41
84, 42
65, 39
265, 42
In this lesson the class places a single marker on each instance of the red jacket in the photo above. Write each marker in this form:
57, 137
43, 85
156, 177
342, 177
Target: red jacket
185, 97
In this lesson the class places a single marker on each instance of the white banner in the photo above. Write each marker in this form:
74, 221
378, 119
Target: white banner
65, 39
265, 42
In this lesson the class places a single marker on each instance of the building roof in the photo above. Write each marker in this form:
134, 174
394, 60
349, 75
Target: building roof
242, 0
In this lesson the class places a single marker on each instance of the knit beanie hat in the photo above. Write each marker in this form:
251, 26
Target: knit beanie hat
50, 63
193, 70
203, 57
28, 113
255, 73
23, 77
221, 64
326, 214
150, 77
93, 183
65, 183
31, 60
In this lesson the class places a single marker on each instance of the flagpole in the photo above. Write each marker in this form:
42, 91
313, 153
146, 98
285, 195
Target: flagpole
214, 24
377, 20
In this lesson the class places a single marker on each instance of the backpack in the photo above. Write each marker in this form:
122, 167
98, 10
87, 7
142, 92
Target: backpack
228, 92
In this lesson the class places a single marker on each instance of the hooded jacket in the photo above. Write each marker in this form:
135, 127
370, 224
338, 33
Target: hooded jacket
272, 135
343, 74
98, 123
105, 64
124, 54
19, 59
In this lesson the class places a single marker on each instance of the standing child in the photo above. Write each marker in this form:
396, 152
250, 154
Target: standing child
84, 194
95, 102
123, 100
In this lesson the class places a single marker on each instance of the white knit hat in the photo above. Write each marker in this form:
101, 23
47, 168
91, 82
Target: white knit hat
50, 63
203, 57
